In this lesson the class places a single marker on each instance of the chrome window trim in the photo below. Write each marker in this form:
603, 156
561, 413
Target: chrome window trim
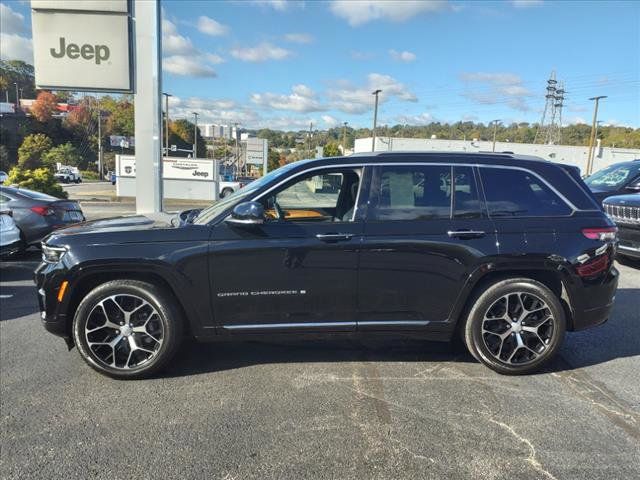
364, 165
407, 323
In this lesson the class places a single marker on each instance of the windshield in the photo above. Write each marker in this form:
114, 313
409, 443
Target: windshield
613, 177
217, 208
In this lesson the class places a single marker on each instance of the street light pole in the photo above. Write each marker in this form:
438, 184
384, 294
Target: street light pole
17, 97
375, 120
100, 176
235, 135
344, 137
195, 135
166, 120
592, 137
495, 129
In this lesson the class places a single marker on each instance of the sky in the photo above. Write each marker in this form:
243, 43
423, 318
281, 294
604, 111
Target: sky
283, 64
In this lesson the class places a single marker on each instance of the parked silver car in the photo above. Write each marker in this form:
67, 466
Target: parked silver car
10, 241
37, 214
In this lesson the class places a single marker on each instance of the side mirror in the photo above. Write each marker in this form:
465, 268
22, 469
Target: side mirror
634, 187
247, 213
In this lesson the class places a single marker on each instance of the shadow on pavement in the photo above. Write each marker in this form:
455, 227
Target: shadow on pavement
617, 338
196, 358
17, 290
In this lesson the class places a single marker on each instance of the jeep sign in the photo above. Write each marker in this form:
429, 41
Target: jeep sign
81, 51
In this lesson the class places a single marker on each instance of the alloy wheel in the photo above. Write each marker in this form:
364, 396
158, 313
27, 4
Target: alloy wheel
518, 328
124, 331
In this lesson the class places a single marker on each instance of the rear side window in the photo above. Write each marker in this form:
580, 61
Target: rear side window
517, 193
466, 203
412, 193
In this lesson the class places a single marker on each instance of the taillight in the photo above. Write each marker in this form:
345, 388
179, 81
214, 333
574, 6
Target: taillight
602, 234
593, 267
43, 210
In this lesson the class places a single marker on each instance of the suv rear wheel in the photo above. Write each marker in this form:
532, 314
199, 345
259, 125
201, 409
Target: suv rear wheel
127, 329
515, 326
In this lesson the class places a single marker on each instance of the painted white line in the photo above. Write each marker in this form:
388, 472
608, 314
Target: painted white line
6, 296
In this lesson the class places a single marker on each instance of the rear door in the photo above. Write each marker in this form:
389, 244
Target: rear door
425, 231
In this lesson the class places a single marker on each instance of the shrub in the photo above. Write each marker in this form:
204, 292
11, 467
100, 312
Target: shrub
89, 175
40, 180
33, 147
65, 154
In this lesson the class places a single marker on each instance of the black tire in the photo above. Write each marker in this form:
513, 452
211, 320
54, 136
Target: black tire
170, 318
486, 299
226, 192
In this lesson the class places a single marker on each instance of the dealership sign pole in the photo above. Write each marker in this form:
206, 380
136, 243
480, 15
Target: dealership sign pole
87, 45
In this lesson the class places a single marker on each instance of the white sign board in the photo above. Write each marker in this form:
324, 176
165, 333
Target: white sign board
256, 151
172, 167
81, 51
114, 6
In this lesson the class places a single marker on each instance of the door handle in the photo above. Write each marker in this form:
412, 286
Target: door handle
466, 233
334, 237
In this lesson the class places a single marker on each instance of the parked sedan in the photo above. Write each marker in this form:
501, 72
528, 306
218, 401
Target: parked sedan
617, 179
10, 241
37, 214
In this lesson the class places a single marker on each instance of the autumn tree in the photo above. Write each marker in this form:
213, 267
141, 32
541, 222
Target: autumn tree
181, 134
45, 106
32, 149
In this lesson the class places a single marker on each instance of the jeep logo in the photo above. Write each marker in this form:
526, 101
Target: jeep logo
97, 52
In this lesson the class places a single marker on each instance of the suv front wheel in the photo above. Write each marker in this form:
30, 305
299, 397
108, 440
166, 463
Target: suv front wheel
127, 329
515, 326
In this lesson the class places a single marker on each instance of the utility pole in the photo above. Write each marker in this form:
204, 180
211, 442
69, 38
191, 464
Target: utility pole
495, 129
17, 97
375, 120
309, 138
195, 135
592, 137
166, 120
242, 167
344, 137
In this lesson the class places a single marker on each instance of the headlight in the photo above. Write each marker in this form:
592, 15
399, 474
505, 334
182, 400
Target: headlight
52, 254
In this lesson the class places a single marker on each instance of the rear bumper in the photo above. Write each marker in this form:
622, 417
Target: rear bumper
593, 301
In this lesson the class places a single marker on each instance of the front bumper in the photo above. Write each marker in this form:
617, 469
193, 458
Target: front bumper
53, 313
11, 248
629, 241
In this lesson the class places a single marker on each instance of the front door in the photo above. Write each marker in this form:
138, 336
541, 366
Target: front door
297, 271
425, 232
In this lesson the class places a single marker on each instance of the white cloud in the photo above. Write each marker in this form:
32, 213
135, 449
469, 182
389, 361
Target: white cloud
11, 22
187, 66
404, 56
173, 43
329, 121
350, 99
301, 99
526, 3
260, 53
214, 58
360, 12
209, 26
298, 38
577, 120
15, 47
497, 88
420, 119
279, 5
359, 55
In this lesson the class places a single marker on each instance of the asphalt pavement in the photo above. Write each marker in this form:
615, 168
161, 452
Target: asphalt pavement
389, 408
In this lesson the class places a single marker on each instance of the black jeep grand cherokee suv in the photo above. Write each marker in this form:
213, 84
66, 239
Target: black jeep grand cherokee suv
506, 251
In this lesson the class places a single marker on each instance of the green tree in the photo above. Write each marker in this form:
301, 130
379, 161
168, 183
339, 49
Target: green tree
39, 179
32, 149
17, 71
273, 160
181, 135
66, 154
331, 150
5, 162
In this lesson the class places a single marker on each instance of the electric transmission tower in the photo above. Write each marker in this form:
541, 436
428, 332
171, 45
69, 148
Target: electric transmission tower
549, 130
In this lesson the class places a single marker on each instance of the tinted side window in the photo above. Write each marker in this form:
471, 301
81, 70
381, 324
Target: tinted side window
516, 193
412, 193
466, 203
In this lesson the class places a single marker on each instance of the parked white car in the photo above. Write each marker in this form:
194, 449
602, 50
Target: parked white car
10, 241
